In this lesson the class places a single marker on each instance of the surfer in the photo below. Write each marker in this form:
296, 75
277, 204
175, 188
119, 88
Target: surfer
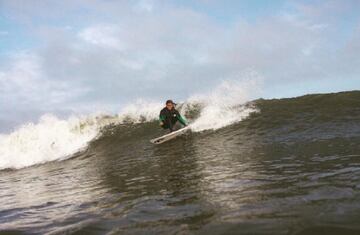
170, 118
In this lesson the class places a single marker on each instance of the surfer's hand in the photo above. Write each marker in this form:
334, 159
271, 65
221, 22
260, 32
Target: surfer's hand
161, 123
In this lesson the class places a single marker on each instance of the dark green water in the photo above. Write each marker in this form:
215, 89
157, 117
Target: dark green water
292, 168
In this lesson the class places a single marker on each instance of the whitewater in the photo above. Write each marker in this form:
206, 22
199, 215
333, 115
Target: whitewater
280, 166
54, 139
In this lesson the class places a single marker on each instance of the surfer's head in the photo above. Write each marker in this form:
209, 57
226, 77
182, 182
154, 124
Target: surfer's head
170, 104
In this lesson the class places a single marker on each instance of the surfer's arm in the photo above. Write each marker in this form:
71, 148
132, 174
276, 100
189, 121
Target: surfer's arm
162, 119
182, 120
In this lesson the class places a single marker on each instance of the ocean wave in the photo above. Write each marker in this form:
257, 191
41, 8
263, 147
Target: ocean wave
54, 139
48, 140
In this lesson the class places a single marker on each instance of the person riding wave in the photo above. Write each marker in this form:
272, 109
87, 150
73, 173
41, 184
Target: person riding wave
170, 118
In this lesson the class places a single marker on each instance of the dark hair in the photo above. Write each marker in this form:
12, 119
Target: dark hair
169, 102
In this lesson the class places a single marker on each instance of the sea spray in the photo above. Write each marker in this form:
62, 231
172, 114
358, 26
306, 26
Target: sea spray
48, 140
55, 139
225, 105
140, 111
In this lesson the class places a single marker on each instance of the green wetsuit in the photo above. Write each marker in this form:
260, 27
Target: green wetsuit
170, 117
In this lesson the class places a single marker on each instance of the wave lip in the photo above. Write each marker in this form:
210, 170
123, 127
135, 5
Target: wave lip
51, 139
55, 139
224, 106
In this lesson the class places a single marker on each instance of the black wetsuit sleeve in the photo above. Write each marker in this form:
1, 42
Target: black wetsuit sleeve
162, 116
165, 118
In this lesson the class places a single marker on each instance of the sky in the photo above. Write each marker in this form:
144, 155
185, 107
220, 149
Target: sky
82, 56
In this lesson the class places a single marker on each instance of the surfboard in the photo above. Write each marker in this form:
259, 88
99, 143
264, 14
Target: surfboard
171, 135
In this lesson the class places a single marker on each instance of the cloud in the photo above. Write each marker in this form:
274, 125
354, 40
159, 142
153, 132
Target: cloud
102, 35
23, 84
144, 5
101, 54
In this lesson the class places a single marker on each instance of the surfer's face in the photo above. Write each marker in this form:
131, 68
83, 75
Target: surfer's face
169, 106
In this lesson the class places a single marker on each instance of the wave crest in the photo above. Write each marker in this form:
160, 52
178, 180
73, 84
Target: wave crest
55, 139
50, 139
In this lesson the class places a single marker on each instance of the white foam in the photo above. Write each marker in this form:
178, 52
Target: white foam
224, 105
140, 111
219, 108
51, 139
55, 139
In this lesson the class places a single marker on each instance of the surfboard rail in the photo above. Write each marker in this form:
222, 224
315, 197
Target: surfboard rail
169, 136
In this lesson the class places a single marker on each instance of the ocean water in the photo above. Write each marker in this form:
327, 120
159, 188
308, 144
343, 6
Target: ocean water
282, 166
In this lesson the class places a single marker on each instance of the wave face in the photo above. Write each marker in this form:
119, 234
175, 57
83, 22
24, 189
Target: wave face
284, 166
311, 116
54, 139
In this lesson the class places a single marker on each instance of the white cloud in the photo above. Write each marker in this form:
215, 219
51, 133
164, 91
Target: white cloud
102, 35
144, 5
24, 85
122, 51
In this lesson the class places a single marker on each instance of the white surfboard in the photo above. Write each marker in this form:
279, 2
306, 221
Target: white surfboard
169, 136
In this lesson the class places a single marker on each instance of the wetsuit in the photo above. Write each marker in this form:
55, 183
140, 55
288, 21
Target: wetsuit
170, 117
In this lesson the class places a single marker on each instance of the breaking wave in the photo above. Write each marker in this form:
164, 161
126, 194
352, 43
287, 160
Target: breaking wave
55, 139
48, 140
